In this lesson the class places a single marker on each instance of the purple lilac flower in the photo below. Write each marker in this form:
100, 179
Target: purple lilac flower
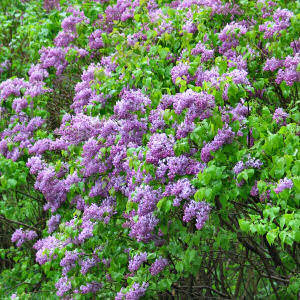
147, 199
88, 263
179, 71
283, 184
143, 228
21, 236
198, 210
45, 248
280, 116
224, 136
136, 261
63, 286
53, 223
92, 287
135, 292
160, 146
158, 266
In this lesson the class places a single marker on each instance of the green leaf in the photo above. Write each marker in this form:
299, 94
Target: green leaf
244, 225
271, 236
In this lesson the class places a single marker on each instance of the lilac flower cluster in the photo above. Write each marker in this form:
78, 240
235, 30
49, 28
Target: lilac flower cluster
283, 185
92, 287
198, 210
281, 19
63, 286
289, 72
249, 163
20, 236
158, 266
147, 199
160, 146
181, 189
53, 223
280, 116
224, 136
181, 71
206, 54
142, 230
135, 263
178, 165
45, 249
69, 261
135, 292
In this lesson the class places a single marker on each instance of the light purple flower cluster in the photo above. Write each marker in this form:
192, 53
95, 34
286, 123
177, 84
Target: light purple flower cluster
45, 248
53, 223
21, 236
282, 21
147, 199
88, 263
289, 72
224, 136
283, 185
68, 262
142, 229
102, 212
131, 102
84, 92
181, 71
249, 163
230, 35
190, 27
95, 39
280, 116
135, 292
181, 189
51, 4
136, 261
160, 146
206, 54
92, 287
198, 210
63, 286
178, 165
158, 266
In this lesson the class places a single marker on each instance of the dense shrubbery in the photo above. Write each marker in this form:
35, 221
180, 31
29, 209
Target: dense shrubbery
149, 149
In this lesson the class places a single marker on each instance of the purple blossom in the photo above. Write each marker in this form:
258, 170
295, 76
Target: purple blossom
179, 71
158, 266
21, 236
45, 249
63, 286
198, 210
160, 146
280, 116
136, 262
224, 136
135, 292
53, 223
283, 184
92, 287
